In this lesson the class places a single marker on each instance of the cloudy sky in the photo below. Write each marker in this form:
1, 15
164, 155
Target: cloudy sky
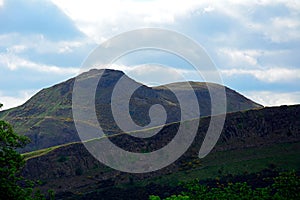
254, 44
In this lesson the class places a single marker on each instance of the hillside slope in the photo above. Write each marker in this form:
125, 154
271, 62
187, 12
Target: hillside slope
250, 141
47, 117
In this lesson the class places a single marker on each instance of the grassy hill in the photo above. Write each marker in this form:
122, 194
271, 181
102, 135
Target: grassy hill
47, 117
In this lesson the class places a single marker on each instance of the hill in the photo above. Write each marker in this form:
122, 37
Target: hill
251, 141
47, 117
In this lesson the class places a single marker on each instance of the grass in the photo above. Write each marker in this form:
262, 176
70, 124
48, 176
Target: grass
41, 152
236, 162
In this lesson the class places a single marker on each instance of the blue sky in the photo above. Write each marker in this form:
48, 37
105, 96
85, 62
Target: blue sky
254, 44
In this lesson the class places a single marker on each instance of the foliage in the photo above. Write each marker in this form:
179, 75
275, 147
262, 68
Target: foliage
287, 186
12, 184
284, 186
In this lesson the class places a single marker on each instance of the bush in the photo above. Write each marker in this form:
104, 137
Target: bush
12, 184
285, 186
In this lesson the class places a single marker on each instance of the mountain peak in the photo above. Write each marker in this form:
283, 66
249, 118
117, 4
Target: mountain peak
96, 71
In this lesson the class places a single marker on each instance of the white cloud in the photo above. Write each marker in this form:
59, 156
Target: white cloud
270, 98
284, 29
1, 2
14, 62
208, 9
275, 28
235, 57
16, 49
270, 75
257, 61
102, 19
17, 43
279, 29
13, 101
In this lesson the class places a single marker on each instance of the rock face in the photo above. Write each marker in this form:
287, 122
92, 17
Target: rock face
72, 163
47, 117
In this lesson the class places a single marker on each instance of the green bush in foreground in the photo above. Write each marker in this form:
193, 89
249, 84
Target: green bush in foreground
285, 186
12, 184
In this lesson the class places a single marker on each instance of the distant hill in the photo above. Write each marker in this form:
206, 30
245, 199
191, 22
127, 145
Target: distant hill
251, 141
47, 117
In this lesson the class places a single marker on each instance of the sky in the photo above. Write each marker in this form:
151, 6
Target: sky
254, 44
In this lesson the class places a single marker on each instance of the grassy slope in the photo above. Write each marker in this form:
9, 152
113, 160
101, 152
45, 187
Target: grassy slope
217, 165
235, 162
41, 152
238, 162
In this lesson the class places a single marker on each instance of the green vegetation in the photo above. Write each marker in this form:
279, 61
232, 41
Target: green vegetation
41, 152
12, 184
37, 153
284, 186
278, 157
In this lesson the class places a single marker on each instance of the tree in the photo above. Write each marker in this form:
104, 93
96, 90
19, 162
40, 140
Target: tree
12, 184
